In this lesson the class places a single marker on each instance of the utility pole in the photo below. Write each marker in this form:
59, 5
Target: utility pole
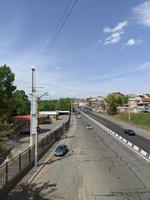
70, 107
33, 120
129, 115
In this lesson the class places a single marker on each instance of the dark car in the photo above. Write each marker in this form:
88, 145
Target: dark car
61, 150
129, 132
27, 130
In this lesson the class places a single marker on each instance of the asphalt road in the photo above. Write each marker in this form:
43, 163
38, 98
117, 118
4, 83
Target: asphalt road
97, 167
138, 140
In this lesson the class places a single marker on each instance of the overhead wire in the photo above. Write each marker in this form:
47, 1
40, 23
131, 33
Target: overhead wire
61, 24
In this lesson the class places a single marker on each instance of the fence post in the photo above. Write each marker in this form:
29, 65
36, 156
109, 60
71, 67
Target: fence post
19, 160
29, 153
6, 172
63, 128
42, 143
47, 138
51, 138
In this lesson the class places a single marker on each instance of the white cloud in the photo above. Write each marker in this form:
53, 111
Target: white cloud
142, 13
143, 66
117, 33
133, 42
119, 27
113, 38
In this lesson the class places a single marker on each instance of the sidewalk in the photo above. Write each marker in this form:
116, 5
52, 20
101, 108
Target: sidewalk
139, 131
28, 187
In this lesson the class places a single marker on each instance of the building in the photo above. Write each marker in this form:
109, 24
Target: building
97, 104
121, 109
52, 115
139, 103
26, 119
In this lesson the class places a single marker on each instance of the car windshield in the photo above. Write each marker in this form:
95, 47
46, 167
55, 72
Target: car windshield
60, 148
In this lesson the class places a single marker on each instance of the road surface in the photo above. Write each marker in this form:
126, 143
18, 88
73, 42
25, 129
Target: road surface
97, 167
138, 140
139, 130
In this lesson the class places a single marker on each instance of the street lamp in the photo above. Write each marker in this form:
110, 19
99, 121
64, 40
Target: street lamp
33, 112
33, 119
34, 115
129, 115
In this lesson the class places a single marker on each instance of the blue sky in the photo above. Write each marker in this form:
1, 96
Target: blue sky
103, 47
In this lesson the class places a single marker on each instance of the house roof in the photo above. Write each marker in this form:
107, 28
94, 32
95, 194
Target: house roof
146, 99
25, 117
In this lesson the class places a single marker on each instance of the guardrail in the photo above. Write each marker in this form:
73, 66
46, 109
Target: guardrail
13, 170
118, 137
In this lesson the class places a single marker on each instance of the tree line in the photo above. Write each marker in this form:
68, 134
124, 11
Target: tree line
60, 104
12, 101
16, 102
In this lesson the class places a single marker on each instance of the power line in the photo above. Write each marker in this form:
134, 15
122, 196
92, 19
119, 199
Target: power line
61, 23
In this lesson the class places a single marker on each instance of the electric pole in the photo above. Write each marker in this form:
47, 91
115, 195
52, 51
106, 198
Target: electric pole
33, 120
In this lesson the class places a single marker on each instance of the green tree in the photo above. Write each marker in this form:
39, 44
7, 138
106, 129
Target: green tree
47, 105
7, 89
61, 104
22, 103
114, 100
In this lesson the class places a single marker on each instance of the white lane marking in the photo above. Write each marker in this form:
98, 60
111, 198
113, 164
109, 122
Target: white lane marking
120, 137
124, 140
136, 148
130, 144
143, 152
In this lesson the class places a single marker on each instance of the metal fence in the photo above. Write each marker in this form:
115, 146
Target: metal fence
14, 169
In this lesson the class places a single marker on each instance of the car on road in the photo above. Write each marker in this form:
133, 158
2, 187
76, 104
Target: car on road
129, 132
89, 127
61, 150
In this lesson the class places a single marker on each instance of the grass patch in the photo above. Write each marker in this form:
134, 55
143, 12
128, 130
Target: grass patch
141, 119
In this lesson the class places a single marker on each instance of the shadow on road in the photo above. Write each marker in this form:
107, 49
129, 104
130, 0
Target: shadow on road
32, 191
56, 159
65, 137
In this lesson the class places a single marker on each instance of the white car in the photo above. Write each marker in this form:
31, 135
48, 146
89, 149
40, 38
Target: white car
89, 127
79, 116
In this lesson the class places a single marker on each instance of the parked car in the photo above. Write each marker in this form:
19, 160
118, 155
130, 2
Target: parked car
129, 132
27, 130
89, 127
61, 150
79, 116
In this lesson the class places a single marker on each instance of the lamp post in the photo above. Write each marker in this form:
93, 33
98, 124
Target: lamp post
129, 115
34, 116
33, 112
